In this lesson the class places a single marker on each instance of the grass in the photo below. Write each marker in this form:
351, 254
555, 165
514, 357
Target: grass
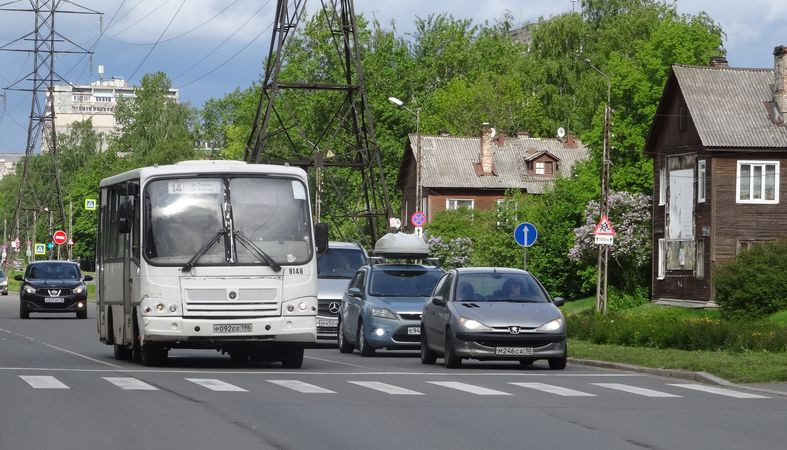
746, 367
579, 305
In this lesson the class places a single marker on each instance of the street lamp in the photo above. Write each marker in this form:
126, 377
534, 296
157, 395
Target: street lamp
603, 250
417, 113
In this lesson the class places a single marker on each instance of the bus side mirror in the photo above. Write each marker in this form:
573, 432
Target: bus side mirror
321, 237
125, 217
19, 278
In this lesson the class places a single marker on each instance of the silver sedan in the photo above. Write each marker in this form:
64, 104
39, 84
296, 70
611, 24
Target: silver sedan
492, 313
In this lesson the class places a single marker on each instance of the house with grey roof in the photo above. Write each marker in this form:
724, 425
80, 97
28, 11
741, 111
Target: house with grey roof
718, 141
476, 172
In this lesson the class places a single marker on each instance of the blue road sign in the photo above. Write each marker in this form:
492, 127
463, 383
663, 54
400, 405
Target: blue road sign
525, 234
50, 246
418, 219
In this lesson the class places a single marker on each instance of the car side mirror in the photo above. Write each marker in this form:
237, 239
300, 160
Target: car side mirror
438, 300
125, 212
87, 278
354, 292
559, 301
19, 278
321, 237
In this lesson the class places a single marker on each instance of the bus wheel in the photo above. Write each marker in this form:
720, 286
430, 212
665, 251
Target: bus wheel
122, 353
293, 357
152, 355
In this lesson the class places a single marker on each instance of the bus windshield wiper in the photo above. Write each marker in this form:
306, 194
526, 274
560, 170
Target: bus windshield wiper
210, 243
254, 248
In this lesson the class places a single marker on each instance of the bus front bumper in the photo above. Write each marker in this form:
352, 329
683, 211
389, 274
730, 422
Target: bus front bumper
179, 330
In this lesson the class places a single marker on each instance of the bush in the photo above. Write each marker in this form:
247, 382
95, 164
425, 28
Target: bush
754, 284
621, 301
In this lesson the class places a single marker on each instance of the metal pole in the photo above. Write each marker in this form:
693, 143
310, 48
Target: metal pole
33, 250
70, 228
418, 190
524, 250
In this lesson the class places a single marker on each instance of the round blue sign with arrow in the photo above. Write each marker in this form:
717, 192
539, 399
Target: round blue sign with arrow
525, 234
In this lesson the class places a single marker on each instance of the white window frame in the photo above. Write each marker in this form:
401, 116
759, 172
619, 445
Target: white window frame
752, 164
701, 180
540, 168
662, 268
455, 206
662, 185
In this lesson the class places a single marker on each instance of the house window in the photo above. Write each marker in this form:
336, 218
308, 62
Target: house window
456, 203
662, 185
701, 181
662, 259
540, 168
745, 245
757, 182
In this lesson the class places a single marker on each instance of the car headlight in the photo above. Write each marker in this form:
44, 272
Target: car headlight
553, 325
473, 325
30, 289
79, 289
3, 283
382, 312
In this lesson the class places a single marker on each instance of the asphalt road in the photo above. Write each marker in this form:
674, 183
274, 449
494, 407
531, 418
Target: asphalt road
61, 389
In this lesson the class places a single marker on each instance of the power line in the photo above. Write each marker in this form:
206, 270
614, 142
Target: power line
141, 19
243, 25
159, 39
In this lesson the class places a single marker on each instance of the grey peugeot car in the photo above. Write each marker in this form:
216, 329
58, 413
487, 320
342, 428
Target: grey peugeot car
335, 268
492, 313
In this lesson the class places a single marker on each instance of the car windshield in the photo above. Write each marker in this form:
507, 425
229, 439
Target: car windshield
183, 215
53, 271
500, 287
404, 283
340, 262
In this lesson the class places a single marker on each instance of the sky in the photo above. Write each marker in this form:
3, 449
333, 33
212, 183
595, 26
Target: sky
211, 47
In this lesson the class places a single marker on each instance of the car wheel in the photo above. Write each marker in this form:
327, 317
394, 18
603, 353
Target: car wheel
428, 356
82, 314
23, 313
344, 346
122, 353
152, 355
363, 345
451, 360
559, 363
293, 357
526, 361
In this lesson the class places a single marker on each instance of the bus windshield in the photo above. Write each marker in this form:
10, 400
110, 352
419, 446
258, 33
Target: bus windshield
182, 215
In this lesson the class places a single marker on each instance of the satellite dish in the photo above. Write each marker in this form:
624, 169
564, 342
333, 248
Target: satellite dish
494, 133
561, 132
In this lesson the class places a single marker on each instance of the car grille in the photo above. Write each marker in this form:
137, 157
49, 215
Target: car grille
45, 292
214, 303
323, 305
410, 316
512, 343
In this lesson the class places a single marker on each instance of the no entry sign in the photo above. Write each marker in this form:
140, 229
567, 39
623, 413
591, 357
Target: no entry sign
60, 237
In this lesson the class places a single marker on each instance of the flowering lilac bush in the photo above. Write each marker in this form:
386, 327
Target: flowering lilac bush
631, 253
453, 253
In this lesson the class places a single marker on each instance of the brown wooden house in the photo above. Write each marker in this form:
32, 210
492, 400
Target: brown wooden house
476, 172
719, 147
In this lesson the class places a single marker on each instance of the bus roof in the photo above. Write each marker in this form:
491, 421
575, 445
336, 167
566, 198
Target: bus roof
202, 167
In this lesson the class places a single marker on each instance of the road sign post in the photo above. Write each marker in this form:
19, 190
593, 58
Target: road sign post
604, 235
525, 234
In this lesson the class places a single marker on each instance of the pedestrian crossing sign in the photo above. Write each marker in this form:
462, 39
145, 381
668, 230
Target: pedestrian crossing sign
90, 204
40, 249
604, 227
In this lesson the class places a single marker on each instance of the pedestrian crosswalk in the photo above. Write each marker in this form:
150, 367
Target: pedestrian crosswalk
428, 387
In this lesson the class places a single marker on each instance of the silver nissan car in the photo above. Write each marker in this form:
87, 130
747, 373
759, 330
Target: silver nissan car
491, 313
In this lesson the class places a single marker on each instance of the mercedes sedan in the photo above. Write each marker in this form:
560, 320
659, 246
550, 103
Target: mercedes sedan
492, 313
53, 287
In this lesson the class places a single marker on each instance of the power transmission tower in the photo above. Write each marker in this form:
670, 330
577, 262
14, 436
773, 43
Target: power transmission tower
343, 150
43, 77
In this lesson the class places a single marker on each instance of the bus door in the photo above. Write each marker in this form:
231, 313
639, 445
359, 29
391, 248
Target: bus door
128, 228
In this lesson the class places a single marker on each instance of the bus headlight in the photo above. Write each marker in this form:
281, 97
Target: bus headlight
155, 307
304, 306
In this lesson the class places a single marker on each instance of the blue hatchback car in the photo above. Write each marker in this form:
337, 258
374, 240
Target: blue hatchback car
382, 307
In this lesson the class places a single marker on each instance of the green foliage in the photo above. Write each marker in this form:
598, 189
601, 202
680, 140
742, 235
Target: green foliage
622, 301
754, 284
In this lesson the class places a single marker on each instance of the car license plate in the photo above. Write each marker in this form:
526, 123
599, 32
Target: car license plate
225, 328
328, 323
414, 331
514, 351
54, 300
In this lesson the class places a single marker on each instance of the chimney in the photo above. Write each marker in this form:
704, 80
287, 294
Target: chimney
443, 133
522, 134
718, 61
485, 164
501, 139
780, 79
571, 141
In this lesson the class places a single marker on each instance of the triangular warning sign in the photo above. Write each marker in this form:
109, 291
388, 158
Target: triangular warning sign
604, 227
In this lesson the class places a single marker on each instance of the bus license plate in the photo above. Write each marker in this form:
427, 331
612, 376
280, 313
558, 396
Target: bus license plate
54, 300
514, 351
414, 331
225, 328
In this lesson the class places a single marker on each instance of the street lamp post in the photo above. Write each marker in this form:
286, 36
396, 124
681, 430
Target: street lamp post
417, 113
603, 250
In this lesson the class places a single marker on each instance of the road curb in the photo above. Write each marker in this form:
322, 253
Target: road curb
702, 377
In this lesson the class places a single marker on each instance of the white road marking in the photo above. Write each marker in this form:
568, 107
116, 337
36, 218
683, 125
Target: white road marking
300, 386
387, 388
719, 391
130, 384
565, 392
635, 390
70, 352
473, 389
336, 362
216, 385
43, 382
